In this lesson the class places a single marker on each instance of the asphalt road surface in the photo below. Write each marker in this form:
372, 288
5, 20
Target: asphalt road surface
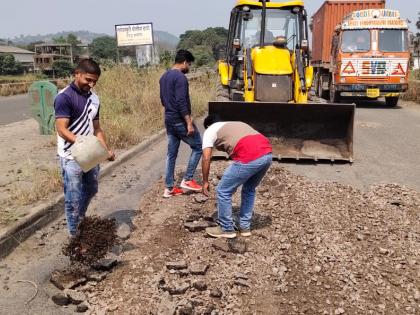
386, 148
14, 108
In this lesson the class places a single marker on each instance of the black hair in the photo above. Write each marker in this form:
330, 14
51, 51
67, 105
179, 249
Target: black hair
211, 119
88, 66
184, 55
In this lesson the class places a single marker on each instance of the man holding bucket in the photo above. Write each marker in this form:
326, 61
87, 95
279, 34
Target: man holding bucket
77, 117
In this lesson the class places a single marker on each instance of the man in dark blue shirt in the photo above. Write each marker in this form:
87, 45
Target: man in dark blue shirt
174, 95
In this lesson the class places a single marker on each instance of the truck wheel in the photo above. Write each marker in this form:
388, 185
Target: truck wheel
321, 92
334, 96
222, 93
391, 101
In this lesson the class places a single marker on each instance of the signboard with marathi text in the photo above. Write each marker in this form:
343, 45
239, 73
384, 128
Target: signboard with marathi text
374, 18
134, 34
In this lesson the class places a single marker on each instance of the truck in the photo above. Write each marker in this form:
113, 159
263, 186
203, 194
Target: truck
359, 49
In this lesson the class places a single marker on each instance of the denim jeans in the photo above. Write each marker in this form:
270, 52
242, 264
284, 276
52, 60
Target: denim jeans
177, 133
79, 189
249, 175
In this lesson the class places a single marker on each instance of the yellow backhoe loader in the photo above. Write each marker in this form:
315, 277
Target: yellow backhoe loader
265, 76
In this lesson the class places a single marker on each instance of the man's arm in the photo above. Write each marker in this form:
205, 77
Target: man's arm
99, 133
181, 90
190, 127
62, 127
205, 167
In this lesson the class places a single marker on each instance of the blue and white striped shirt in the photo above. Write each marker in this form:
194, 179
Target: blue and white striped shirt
82, 108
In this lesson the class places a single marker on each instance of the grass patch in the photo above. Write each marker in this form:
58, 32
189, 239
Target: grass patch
19, 78
413, 92
33, 184
130, 102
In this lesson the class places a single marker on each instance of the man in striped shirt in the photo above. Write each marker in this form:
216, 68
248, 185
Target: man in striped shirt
251, 155
77, 114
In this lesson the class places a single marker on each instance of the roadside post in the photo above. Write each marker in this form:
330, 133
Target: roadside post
41, 95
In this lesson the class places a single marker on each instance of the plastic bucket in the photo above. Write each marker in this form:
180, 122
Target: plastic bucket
88, 152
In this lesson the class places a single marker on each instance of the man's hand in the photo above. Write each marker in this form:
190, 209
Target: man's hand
111, 155
206, 189
190, 129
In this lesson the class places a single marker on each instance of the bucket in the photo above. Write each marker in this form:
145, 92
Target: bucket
88, 152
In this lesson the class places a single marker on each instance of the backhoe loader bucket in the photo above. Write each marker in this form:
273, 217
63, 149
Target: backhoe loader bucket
297, 131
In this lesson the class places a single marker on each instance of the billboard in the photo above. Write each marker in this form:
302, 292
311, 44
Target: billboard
134, 34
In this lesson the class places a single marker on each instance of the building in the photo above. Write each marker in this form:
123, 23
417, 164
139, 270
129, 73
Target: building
25, 57
46, 54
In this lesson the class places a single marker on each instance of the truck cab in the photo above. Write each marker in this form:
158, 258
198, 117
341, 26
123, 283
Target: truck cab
370, 56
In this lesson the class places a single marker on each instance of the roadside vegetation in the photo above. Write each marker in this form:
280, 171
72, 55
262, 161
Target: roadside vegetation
130, 111
33, 183
130, 102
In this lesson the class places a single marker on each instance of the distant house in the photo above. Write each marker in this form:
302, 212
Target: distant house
25, 57
46, 54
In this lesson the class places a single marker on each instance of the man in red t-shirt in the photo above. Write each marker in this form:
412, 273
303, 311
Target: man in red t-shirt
251, 155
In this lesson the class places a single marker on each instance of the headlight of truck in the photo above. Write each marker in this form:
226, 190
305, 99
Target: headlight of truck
402, 80
343, 80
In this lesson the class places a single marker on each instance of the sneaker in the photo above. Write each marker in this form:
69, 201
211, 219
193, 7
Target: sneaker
191, 185
174, 192
245, 232
216, 231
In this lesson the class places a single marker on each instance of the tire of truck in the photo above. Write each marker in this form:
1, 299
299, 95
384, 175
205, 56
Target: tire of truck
222, 93
334, 96
391, 101
320, 91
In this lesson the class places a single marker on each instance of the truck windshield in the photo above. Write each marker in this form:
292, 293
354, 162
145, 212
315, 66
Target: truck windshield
355, 41
278, 23
393, 40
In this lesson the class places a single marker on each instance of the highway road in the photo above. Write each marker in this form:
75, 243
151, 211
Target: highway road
387, 150
14, 108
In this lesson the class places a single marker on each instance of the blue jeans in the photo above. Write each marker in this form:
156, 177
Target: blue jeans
177, 133
79, 189
249, 175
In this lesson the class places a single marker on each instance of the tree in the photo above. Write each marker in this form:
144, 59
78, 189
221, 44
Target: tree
70, 39
8, 65
104, 47
418, 22
203, 55
62, 68
203, 42
166, 58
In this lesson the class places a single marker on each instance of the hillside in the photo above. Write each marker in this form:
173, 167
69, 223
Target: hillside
86, 37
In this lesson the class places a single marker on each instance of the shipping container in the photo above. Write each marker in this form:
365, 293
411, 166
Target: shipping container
326, 19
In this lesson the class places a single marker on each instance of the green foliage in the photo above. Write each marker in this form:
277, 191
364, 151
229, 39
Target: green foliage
8, 65
166, 58
204, 43
104, 47
62, 68
203, 55
418, 23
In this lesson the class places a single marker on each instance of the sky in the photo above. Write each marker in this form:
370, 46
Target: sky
30, 17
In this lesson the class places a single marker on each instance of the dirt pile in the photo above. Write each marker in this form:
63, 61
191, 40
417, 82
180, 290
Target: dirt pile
316, 248
95, 239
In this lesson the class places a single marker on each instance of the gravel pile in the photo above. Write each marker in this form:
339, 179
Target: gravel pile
316, 248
